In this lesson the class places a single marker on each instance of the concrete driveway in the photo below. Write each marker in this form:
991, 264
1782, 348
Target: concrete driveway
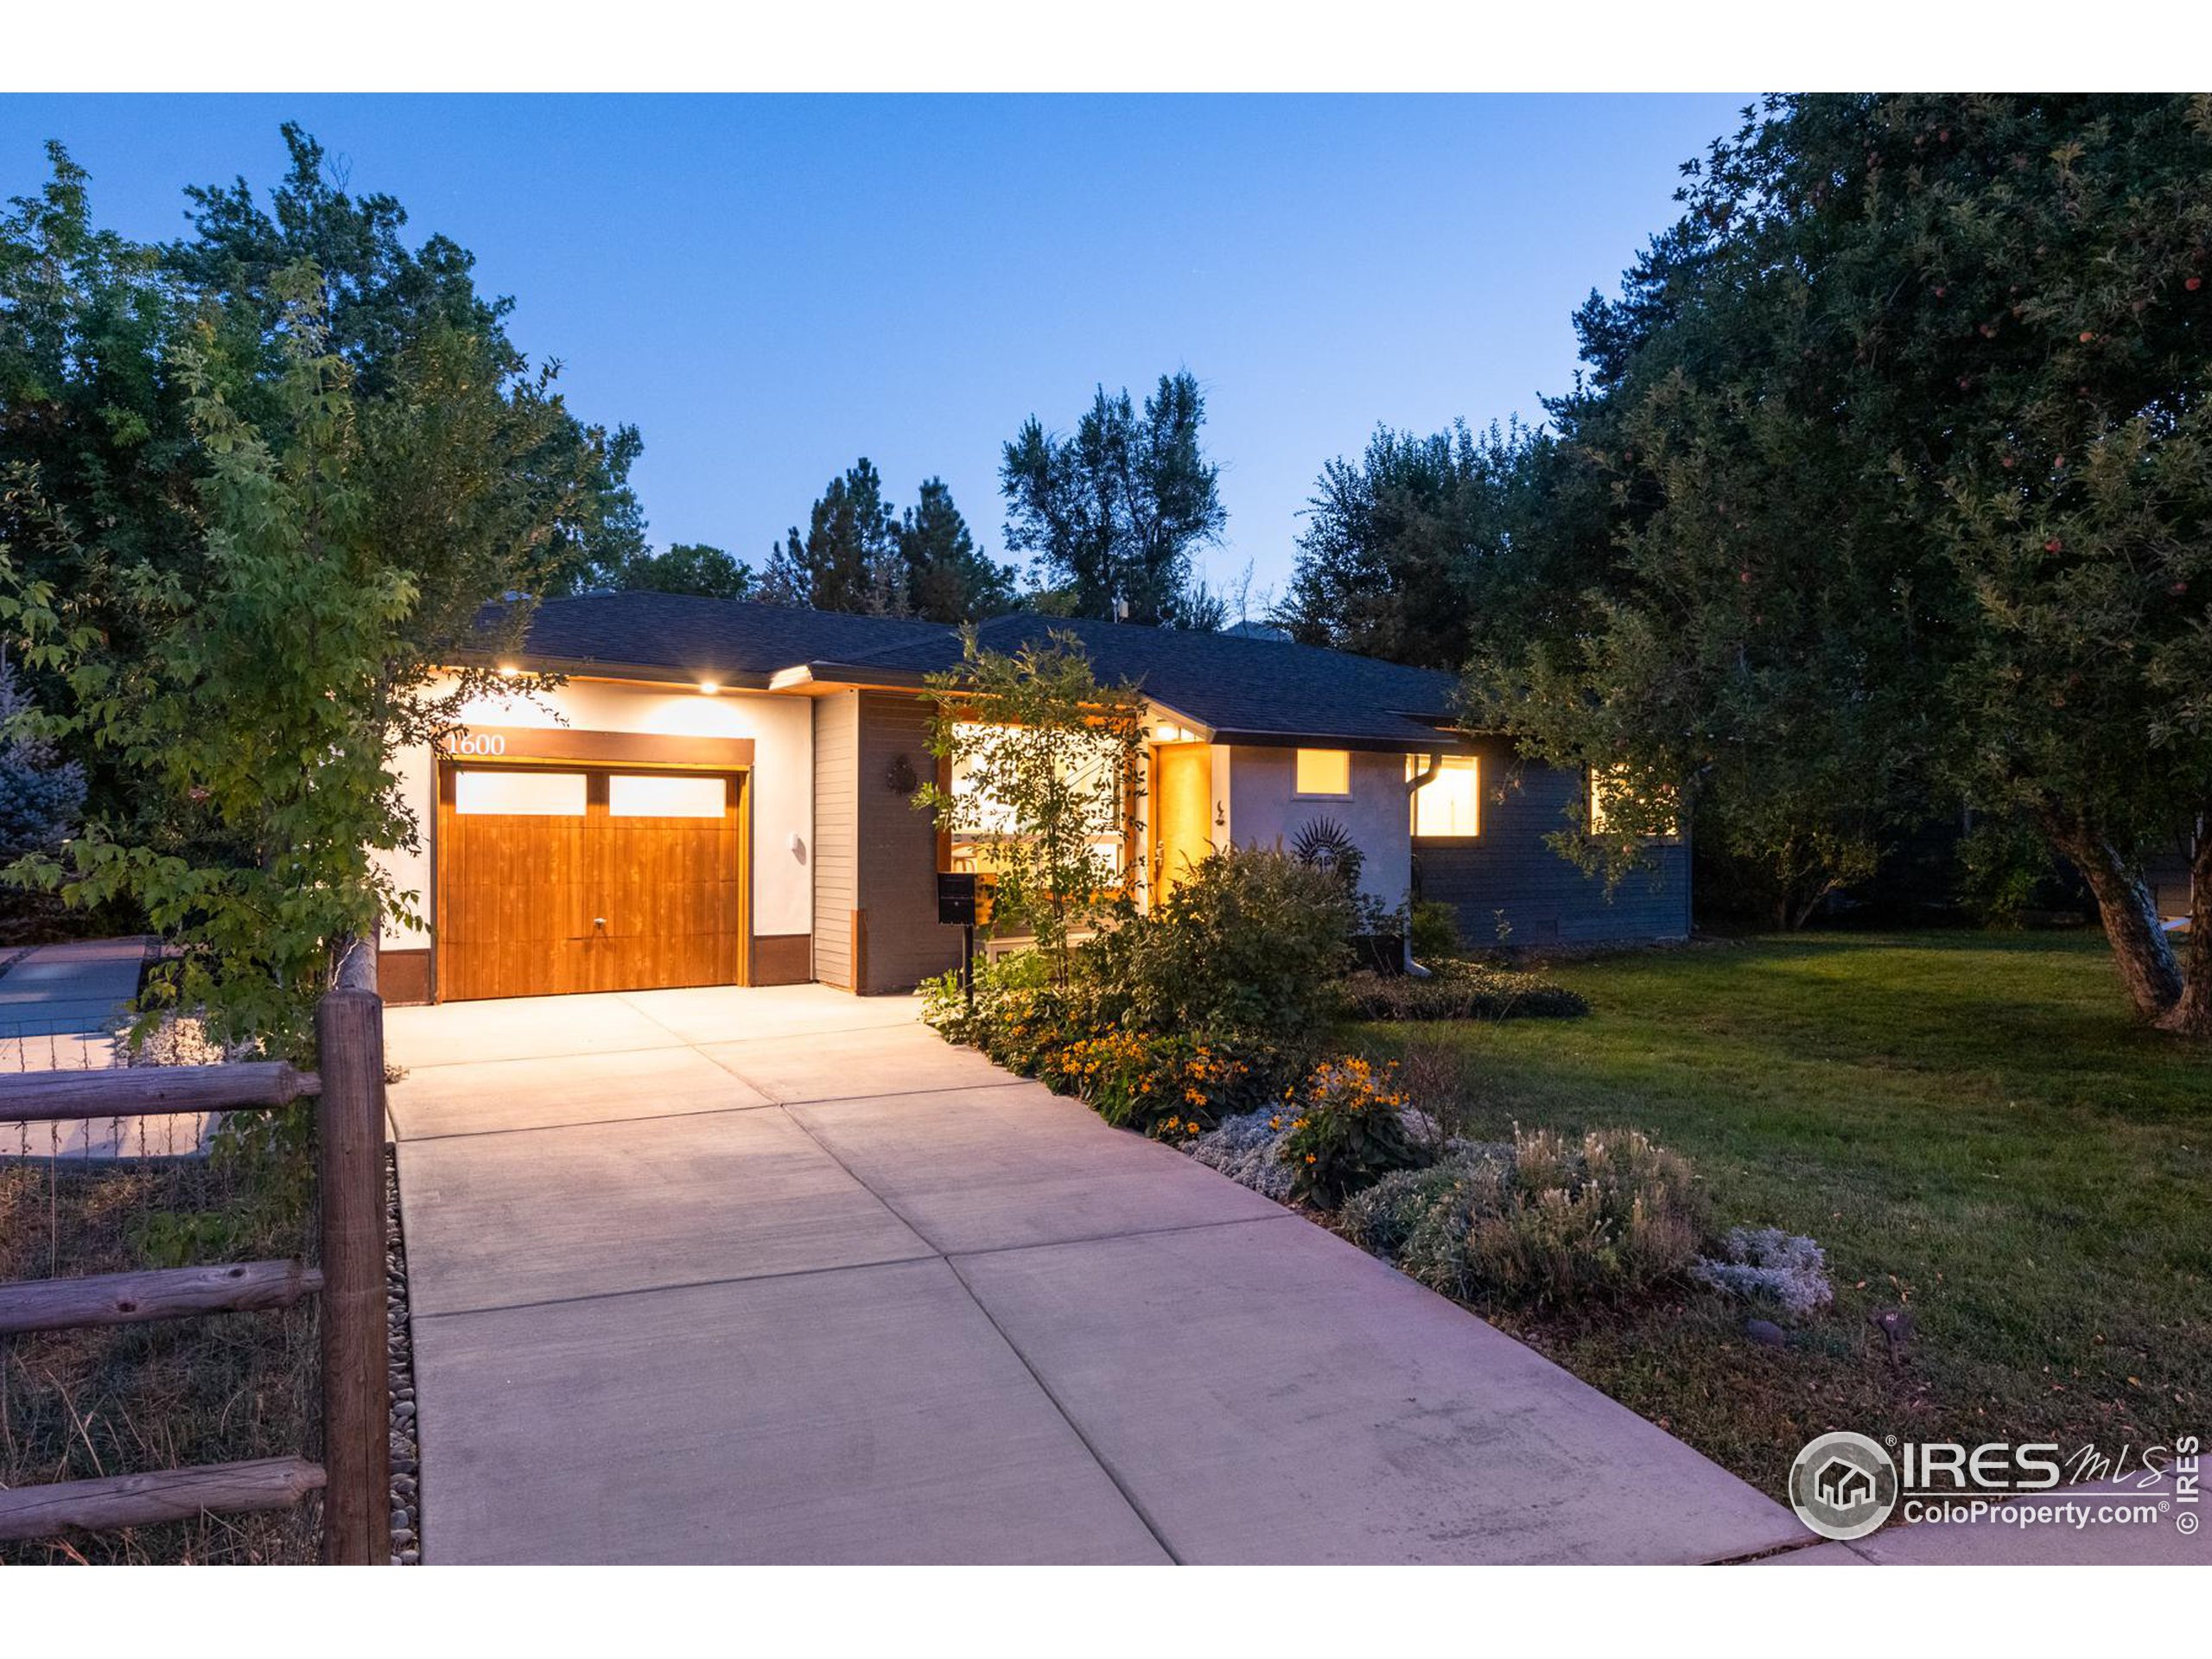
777, 1275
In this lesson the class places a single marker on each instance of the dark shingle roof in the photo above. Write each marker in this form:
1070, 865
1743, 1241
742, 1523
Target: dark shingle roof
718, 639
1243, 689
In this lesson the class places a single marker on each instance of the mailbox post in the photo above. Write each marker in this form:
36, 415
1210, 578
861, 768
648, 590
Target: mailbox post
955, 907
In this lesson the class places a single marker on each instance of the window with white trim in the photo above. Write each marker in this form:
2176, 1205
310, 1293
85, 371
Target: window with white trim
1323, 771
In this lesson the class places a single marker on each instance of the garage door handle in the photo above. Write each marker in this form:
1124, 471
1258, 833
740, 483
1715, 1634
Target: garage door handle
598, 921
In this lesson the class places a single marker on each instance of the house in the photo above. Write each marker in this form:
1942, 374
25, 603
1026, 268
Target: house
721, 793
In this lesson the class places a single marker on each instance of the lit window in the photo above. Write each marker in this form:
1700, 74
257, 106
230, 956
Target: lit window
1323, 771
520, 794
1450, 803
665, 795
982, 814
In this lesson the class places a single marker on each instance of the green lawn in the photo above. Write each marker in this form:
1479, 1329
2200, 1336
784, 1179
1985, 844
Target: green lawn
1970, 1124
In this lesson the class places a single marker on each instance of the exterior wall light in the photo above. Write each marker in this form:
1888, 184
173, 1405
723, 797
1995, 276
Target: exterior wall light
709, 688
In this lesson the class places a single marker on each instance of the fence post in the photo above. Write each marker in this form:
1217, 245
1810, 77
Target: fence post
356, 1403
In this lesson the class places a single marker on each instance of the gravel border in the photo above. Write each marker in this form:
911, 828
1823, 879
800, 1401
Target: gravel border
406, 1541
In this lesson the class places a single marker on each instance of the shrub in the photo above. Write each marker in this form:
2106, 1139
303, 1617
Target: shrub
1248, 949
1161, 1085
1545, 1222
1247, 1148
1347, 1132
1459, 991
1766, 1264
1432, 928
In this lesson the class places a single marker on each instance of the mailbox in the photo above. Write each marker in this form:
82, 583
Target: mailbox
955, 898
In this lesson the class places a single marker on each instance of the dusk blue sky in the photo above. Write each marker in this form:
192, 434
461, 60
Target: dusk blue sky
770, 287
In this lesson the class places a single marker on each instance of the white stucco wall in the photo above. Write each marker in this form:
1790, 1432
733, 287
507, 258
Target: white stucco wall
782, 730
1264, 810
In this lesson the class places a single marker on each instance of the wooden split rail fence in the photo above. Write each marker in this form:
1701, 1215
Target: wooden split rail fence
355, 1475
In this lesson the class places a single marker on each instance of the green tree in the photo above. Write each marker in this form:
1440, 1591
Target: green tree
849, 559
351, 544
1047, 771
948, 578
1397, 543
1116, 512
379, 296
686, 568
1923, 378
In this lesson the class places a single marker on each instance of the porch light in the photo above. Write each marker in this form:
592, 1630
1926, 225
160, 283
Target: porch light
508, 670
707, 688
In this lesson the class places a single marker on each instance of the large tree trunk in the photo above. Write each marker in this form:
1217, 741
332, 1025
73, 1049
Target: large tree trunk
2192, 1014
2139, 949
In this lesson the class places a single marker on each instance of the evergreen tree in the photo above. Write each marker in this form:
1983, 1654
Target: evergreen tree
41, 796
947, 578
849, 559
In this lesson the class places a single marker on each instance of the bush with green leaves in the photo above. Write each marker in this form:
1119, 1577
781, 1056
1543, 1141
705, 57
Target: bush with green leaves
1460, 990
1347, 1132
1248, 949
1548, 1222
1433, 931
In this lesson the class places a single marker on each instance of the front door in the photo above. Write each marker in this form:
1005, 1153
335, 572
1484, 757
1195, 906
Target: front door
561, 879
1182, 812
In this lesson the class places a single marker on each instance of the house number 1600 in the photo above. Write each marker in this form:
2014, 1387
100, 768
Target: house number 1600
492, 743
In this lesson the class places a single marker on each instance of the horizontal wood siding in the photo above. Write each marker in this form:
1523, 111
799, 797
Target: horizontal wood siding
898, 849
836, 862
1509, 872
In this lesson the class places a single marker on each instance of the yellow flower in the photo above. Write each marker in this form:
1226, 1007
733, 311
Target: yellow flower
1310, 1159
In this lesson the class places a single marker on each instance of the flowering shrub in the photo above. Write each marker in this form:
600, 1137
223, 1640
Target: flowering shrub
1167, 1086
1765, 1263
1545, 1222
1345, 1132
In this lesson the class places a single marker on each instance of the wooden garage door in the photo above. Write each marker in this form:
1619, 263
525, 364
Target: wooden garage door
553, 880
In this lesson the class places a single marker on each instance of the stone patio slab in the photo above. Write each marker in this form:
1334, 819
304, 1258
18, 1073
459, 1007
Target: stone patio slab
985, 1169
842, 1064
870, 1415
1267, 1393
539, 1215
495, 1095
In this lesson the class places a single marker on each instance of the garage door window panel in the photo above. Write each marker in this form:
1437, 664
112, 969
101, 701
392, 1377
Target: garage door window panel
665, 795
520, 794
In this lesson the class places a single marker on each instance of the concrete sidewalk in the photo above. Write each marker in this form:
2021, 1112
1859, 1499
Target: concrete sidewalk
777, 1275
60, 1006
60, 1002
